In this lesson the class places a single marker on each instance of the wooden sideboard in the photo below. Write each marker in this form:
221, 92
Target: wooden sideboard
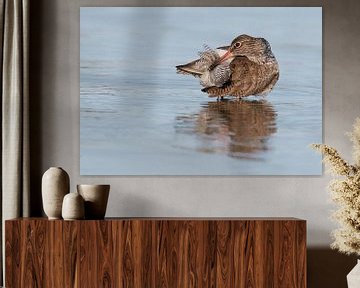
156, 252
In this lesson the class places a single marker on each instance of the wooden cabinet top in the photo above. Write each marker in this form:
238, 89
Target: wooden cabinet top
271, 219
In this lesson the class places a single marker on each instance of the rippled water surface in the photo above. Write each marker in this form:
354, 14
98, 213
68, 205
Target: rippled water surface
138, 117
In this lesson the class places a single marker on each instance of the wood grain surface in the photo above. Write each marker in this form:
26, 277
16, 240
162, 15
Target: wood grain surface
241, 253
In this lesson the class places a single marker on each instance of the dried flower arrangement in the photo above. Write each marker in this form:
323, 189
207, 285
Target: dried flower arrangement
345, 191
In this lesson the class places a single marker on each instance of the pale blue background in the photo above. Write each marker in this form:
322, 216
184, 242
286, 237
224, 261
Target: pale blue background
131, 99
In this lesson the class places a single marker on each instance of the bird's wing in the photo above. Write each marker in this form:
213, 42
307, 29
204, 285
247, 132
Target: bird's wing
221, 74
247, 78
194, 68
199, 66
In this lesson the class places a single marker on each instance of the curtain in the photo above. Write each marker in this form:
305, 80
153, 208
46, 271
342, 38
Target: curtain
15, 172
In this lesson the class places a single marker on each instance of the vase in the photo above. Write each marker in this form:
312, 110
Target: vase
73, 207
96, 198
54, 186
353, 278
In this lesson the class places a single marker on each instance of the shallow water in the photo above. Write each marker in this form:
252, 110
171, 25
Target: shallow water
138, 117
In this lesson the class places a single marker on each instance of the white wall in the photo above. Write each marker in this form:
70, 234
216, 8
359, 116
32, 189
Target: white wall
55, 126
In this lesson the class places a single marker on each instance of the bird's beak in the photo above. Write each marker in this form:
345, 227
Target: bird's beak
228, 54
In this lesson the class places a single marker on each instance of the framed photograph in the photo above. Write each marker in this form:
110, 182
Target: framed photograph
200, 90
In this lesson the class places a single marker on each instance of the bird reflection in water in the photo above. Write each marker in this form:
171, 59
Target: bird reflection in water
241, 129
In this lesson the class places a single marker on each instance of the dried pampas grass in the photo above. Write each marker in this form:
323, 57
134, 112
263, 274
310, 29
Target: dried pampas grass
345, 192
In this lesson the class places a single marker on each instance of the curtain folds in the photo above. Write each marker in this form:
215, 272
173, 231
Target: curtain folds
15, 162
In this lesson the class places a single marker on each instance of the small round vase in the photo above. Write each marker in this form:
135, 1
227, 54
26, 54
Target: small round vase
55, 185
96, 198
73, 207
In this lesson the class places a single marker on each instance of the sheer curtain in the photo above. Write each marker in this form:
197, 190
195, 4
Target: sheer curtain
14, 39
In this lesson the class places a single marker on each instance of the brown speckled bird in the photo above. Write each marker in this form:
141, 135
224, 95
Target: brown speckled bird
253, 67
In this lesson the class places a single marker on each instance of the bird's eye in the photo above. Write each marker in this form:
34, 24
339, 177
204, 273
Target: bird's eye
237, 44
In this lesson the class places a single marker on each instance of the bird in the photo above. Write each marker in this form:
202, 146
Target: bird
246, 67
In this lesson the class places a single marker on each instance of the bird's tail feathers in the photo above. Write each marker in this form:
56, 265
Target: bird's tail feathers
189, 68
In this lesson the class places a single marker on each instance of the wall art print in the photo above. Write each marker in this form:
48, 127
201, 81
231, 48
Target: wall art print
200, 90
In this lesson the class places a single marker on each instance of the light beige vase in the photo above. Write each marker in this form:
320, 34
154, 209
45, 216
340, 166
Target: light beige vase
55, 185
73, 207
353, 278
96, 198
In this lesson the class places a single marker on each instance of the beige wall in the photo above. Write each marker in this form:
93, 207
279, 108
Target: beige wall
55, 126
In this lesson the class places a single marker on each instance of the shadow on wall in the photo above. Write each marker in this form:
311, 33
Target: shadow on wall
328, 268
35, 104
139, 207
